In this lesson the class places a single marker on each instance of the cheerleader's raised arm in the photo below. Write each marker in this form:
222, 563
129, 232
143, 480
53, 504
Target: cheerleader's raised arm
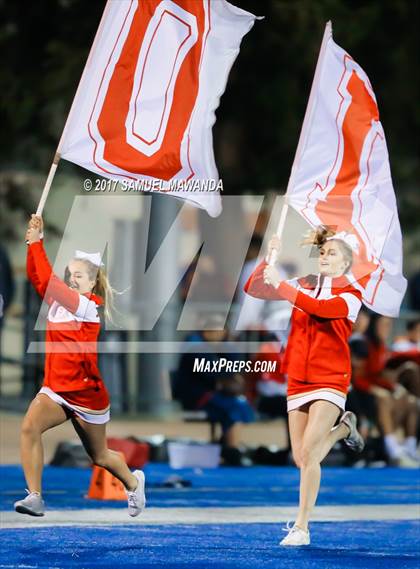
337, 307
45, 282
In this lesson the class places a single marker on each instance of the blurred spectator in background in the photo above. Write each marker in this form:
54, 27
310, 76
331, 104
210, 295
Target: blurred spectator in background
360, 327
204, 281
414, 291
216, 389
7, 283
375, 373
410, 341
7, 289
360, 400
268, 388
406, 359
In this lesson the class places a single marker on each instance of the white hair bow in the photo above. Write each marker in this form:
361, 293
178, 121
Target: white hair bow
349, 239
94, 258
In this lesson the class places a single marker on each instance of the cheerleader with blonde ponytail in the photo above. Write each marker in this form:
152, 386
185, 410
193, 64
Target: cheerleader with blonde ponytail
317, 359
73, 387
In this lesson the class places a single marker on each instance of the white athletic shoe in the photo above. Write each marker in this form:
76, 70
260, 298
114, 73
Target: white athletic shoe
33, 504
406, 461
137, 499
296, 536
354, 440
413, 454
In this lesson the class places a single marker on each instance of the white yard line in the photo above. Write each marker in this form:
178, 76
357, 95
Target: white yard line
177, 516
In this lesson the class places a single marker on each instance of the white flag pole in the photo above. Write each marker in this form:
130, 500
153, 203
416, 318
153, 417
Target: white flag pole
57, 155
303, 133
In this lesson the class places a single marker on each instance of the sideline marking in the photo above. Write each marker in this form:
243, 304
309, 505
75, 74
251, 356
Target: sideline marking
178, 516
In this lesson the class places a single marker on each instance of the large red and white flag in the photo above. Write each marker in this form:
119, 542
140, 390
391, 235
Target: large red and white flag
341, 176
146, 101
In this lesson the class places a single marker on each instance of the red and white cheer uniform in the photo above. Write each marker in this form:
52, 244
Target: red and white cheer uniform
72, 377
317, 358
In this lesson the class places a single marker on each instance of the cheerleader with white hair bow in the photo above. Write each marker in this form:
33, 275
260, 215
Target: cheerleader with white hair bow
73, 387
317, 359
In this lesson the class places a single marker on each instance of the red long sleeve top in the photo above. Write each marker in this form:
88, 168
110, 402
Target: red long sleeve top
324, 309
73, 327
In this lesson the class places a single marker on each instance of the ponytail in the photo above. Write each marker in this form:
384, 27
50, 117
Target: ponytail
318, 236
102, 287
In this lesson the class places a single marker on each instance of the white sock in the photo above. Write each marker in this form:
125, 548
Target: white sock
392, 446
410, 444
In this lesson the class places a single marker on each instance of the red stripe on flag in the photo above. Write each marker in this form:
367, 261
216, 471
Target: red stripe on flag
337, 209
165, 163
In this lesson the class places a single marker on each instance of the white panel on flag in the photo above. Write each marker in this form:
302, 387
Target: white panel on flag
170, 35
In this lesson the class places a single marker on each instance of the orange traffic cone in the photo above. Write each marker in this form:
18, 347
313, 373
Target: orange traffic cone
104, 486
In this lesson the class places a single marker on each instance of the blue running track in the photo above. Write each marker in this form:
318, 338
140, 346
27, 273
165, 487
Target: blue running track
363, 544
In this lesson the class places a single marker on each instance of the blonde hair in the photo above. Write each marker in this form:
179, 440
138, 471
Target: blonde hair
102, 286
319, 237
104, 289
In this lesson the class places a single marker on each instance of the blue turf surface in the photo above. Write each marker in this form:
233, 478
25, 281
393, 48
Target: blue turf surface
384, 544
225, 487
344, 545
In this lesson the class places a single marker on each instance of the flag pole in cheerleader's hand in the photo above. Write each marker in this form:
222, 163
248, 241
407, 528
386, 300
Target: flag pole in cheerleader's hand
302, 137
47, 184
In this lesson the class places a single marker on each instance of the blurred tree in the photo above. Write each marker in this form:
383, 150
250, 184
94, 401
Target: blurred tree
46, 43
18, 199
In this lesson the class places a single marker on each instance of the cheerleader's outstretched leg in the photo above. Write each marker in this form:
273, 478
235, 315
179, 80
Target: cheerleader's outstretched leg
93, 438
43, 414
317, 440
